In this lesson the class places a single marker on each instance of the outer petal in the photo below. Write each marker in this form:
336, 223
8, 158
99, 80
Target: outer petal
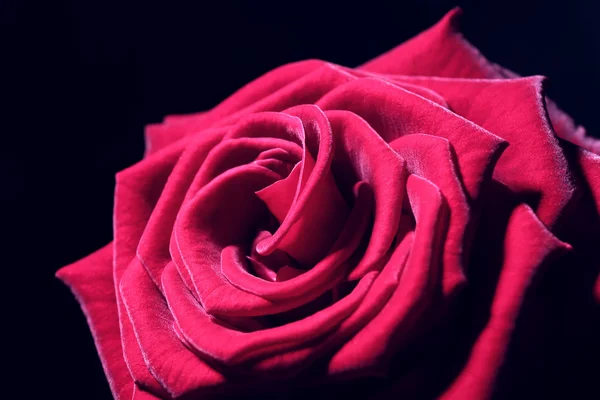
528, 246
574, 283
153, 247
567, 129
91, 280
443, 51
533, 165
290, 85
306, 90
271, 82
590, 165
176, 367
439, 51
137, 191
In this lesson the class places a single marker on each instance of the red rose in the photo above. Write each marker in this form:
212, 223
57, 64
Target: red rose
322, 222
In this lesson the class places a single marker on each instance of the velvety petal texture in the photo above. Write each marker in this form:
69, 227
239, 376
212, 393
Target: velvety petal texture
327, 224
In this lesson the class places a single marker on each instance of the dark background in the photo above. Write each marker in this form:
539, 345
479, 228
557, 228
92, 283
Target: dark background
81, 78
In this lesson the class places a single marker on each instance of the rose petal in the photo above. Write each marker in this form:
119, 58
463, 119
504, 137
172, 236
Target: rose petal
174, 128
306, 90
395, 112
91, 281
266, 267
438, 51
444, 39
184, 117
173, 365
384, 285
140, 394
442, 51
397, 320
136, 193
565, 127
190, 181
590, 168
528, 245
232, 153
575, 280
416, 89
324, 274
361, 155
230, 212
317, 212
200, 238
514, 109
279, 197
230, 347
292, 84
276, 80
432, 158
153, 246
159, 136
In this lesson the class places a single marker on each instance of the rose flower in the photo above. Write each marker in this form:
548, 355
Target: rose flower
325, 224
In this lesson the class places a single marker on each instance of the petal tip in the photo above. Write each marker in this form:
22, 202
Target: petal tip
68, 274
62, 275
452, 19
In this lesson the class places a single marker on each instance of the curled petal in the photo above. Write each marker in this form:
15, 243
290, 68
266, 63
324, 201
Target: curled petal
202, 258
432, 158
230, 213
317, 211
400, 316
361, 155
230, 347
233, 153
394, 112
324, 274
379, 293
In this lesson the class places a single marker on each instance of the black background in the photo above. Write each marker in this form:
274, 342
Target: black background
81, 78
